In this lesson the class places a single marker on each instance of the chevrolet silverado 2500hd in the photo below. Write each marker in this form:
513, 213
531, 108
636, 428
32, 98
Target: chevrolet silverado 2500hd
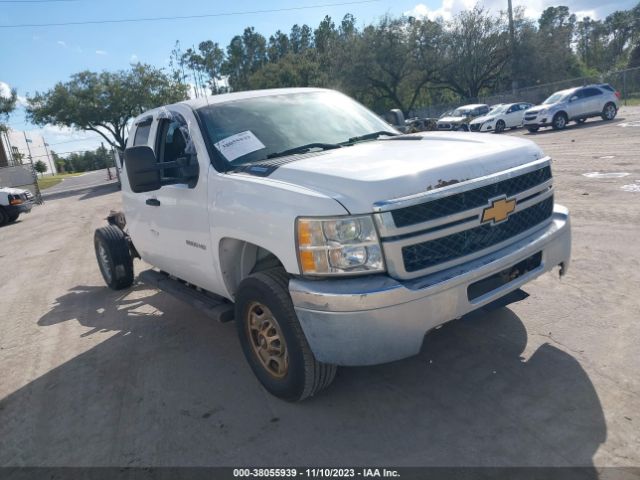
329, 237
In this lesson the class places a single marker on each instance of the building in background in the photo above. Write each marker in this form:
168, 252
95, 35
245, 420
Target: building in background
16, 146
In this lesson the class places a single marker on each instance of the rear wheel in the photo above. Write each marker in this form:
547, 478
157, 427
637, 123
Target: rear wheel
609, 111
500, 126
559, 121
4, 217
114, 257
273, 341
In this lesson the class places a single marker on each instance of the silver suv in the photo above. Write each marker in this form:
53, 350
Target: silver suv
574, 104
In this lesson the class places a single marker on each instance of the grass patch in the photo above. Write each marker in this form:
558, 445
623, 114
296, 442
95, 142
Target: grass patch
51, 180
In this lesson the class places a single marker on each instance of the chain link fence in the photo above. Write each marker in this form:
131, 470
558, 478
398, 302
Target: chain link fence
627, 82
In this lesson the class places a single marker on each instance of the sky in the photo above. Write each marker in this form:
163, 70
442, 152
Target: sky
34, 58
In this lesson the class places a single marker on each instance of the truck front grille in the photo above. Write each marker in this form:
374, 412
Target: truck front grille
444, 249
438, 230
467, 200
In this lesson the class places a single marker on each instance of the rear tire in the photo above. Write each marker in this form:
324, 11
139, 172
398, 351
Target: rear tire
4, 217
559, 121
114, 257
273, 341
609, 112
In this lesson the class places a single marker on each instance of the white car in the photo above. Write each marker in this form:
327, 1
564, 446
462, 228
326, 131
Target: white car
333, 242
13, 203
575, 104
506, 115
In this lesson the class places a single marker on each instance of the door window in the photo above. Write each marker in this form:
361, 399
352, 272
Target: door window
174, 144
591, 92
142, 133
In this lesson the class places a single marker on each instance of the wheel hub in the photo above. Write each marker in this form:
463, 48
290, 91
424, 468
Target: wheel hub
266, 339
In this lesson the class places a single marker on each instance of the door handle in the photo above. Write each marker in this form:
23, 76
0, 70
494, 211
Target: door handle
154, 202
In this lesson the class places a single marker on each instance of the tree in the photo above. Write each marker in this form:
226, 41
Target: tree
7, 105
40, 167
105, 102
475, 52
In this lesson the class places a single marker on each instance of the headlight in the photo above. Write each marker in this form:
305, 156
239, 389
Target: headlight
338, 246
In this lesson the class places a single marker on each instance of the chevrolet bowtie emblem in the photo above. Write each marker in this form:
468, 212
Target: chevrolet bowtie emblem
499, 210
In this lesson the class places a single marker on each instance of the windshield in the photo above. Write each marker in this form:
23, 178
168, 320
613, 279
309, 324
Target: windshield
555, 98
500, 109
249, 130
461, 112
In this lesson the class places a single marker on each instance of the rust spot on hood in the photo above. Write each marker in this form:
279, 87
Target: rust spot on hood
443, 183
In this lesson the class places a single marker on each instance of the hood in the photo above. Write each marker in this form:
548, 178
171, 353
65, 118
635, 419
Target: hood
539, 108
366, 173
12, 191
486, 118
452, 119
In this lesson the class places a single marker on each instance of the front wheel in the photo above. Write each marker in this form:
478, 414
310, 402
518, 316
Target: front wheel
114, 257
500, 126
609, 111
273, 341
559, 121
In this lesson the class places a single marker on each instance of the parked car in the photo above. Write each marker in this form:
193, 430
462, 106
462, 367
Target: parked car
333, 242
459, 119
13, 203
506, 115
574, 104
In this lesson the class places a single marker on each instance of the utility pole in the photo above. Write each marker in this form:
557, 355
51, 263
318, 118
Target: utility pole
53, 172
33, 171
512, 41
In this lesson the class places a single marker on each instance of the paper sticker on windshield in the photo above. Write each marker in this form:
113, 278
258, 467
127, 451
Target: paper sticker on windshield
239, 144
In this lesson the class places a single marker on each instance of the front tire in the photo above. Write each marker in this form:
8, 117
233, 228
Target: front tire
609, 112
273, 341
500, 126
559, 121
114, 257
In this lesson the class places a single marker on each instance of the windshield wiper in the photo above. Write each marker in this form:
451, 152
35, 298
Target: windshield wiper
304, 149
372, 136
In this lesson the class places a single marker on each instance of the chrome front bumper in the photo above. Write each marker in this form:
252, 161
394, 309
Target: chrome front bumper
377, 319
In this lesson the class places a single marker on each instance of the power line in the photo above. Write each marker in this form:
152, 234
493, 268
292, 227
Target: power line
186, 17
35, 1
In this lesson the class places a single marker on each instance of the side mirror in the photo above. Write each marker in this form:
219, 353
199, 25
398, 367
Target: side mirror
142, 169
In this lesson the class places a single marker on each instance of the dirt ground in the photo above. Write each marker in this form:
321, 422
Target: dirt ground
91, 377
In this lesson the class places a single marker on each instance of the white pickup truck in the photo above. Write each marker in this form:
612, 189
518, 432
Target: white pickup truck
13, 203
328, 236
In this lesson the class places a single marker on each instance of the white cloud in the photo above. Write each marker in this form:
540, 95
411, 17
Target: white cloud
580, 14
62, 43
5, 91
134, 58
594, 9
101, 52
